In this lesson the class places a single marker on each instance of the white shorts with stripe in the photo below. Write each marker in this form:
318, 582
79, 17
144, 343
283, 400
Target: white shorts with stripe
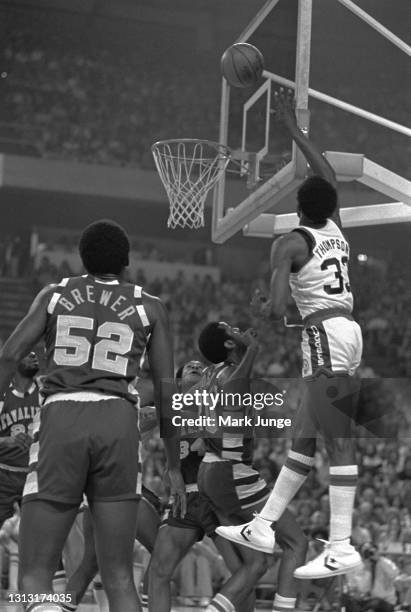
333, 345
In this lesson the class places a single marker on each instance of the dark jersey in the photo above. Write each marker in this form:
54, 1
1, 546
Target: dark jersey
17, 411
96, 337
229, 440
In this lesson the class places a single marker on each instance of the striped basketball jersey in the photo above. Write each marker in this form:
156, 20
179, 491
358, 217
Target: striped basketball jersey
230, 442
96, 337
17, 411
323, 282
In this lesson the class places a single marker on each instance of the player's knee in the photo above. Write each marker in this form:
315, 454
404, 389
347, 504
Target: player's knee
341, 451
119, 581
159, 569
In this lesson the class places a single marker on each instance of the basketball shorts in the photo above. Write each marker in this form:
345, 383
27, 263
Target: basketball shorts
332, 346
234, 490
89, 447
11, 491
329, 406
199, 516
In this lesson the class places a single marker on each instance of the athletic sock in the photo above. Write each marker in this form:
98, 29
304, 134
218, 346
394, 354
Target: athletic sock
100, 596
291, 477
283, 604
343, 482
220, 603
144, 601
60, 578
59, 581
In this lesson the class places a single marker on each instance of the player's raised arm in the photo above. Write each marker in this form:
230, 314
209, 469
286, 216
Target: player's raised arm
27, 333
161, 362
247, 340
284, 112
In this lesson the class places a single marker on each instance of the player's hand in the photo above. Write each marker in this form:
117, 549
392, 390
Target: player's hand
247, 338
177, 491
23, 441
284, 107
260, 306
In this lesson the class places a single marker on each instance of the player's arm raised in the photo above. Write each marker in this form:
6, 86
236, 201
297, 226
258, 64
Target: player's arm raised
284, 112
27, 333
161, 362
249, 340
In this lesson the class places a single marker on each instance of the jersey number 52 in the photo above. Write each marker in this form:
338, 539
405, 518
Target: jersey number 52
106, 354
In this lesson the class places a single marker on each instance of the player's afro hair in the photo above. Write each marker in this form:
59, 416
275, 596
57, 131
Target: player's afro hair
104, 247
211, 343
317, 199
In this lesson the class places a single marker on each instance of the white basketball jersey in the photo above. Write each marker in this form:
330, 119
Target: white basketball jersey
323, 281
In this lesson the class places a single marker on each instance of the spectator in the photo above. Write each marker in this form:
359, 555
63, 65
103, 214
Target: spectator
371, 587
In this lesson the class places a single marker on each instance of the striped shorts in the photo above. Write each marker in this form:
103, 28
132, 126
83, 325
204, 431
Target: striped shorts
90, 447
332, 346
234, 490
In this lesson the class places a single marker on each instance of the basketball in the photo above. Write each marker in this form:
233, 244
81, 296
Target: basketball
242, 65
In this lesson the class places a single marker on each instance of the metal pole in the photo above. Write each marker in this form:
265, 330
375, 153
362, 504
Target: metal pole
360, 112
376, 25
302, 78
257, 20
219, 189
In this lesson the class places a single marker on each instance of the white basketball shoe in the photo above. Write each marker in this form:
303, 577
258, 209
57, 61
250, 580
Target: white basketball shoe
337, 558
258, 534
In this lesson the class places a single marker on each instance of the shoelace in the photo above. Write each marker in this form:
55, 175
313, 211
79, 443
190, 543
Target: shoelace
327, 543
328, 547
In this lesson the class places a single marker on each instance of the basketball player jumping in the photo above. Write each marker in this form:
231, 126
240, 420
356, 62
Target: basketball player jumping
313, 260
96, 329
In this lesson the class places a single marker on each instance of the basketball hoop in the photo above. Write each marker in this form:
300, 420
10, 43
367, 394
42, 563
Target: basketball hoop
188, 169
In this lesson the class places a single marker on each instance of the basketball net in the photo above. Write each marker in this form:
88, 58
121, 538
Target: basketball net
188, 169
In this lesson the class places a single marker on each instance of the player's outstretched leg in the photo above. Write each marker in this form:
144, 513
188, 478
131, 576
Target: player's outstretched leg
334, 402
115, 528
259, 533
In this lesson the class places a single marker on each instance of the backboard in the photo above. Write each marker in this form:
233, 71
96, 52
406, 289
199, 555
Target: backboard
262, 211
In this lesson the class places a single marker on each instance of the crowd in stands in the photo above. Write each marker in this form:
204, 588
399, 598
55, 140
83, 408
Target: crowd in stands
85, 102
